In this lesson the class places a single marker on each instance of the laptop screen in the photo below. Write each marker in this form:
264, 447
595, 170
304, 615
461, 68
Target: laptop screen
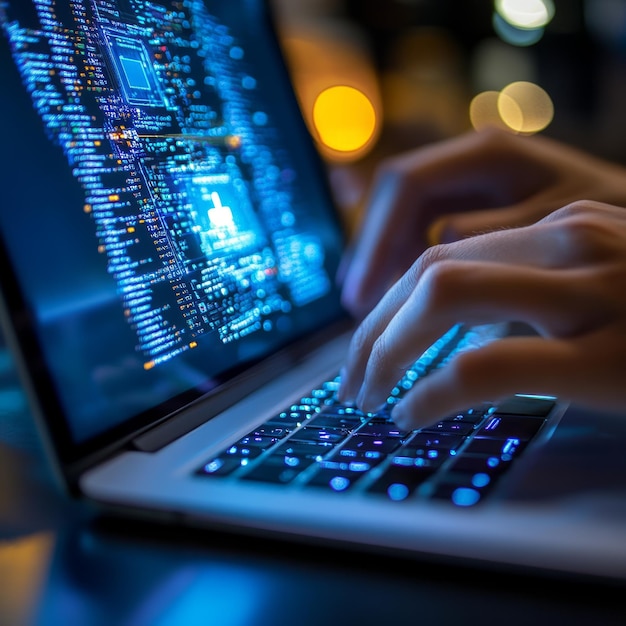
162, 206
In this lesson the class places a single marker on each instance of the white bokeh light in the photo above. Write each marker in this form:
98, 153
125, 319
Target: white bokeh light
526, 13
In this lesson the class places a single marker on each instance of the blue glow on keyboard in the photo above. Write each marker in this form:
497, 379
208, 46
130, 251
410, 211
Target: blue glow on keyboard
464, 496
493, 424
532, 395
480, 480
510, 446
339, 483
213, 466
397, 492
359, 466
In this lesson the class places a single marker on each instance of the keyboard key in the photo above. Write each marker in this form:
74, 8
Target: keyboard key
510, 426
362, 445
450, 426
460, 495
220, 466
314, 450
342, 410
344, 455
240, 451
471, 416
354, 466
382, 416
423, 454
435, 441
257, 441
278, 468
269, 430
507, 448
527, 405
469, 480
312, 402
338, 476
382, 430
398, 482
327, 435
304, 408
433, 462
289, 419
478, 463
325, 420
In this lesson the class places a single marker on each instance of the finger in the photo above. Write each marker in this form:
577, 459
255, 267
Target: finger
532, 365
470, 172
387, 243
457, 226
580, 370
563, 238
365, 335
473, 293
449, 228
550, 202
578, 208
536, 246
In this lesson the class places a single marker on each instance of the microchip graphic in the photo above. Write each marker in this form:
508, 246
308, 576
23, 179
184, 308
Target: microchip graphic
131, 63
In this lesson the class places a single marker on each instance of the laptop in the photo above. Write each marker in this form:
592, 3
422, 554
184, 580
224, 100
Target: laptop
169, 251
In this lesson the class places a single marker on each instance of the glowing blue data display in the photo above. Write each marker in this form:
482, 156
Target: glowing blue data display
191, 197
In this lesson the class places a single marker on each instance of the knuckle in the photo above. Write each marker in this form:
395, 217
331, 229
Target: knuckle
440, 280
584, 237
569, 211
430, 257
584, 234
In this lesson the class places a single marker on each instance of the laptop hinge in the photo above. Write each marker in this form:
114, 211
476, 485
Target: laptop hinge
181, 423
185, 421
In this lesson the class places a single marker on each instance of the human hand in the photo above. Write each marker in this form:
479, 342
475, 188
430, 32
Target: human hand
478, 182
563, 276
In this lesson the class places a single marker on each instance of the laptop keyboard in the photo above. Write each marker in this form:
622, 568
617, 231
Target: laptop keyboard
319, 443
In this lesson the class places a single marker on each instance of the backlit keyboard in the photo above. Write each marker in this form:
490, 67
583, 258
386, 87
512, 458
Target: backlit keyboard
318, 443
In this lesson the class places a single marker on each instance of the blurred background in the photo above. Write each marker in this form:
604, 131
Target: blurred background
379, 77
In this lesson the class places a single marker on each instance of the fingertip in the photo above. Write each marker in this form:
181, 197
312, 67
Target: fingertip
342, 393
370, 401
347, 394
402, 417
408, 414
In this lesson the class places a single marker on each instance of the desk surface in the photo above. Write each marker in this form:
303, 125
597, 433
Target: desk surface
61, 564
